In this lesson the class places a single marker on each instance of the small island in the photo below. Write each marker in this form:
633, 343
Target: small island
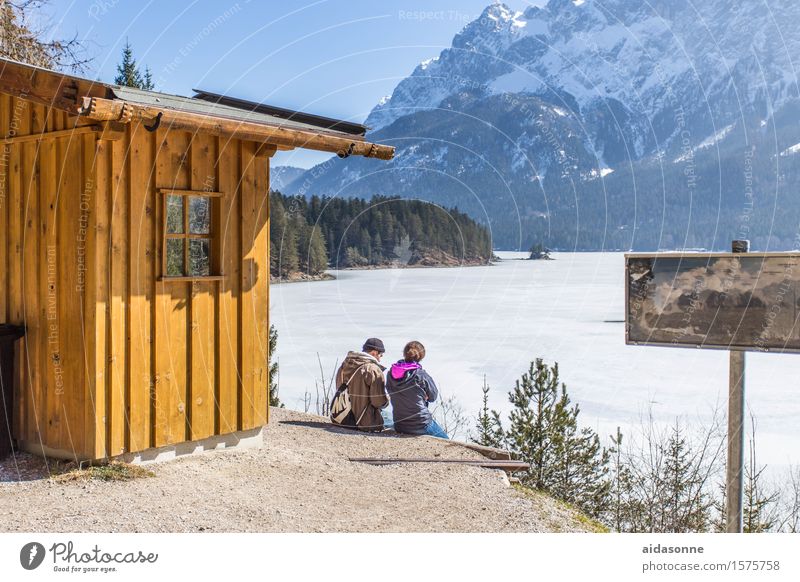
539, 252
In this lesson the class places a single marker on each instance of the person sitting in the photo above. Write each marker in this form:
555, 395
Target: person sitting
363, 373
411, 389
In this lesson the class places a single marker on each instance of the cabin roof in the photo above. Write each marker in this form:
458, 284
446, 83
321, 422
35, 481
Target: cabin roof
281, 113
223, 108
205, 112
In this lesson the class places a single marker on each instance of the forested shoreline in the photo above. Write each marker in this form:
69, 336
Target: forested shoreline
309, 236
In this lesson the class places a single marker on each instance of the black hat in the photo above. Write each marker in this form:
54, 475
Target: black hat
374, 343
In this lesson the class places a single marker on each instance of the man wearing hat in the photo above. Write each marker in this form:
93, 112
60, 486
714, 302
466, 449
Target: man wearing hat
363, 373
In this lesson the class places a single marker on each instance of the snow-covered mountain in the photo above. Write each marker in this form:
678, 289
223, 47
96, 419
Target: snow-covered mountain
281, 177
547, 123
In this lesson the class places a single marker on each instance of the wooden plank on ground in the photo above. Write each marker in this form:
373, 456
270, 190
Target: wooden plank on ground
513, 466
488, 452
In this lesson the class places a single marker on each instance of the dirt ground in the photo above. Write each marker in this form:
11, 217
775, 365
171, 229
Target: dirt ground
300, 481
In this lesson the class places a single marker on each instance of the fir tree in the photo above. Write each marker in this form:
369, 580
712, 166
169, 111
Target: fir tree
488, 428
580, 474
359, 233
128, 74
530, 434
311, 250
284, 259
566, 461
148, 84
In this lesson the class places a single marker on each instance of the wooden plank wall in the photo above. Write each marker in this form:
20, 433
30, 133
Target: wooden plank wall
117, 360
186, 360
45, 195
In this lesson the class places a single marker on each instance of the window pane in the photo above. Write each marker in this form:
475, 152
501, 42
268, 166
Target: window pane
200, 257
199, 215
175, 257
175, 214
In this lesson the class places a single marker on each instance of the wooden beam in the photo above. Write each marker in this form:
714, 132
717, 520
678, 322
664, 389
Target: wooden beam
100, 109
80, 130
266, 150
46, 87
512, 466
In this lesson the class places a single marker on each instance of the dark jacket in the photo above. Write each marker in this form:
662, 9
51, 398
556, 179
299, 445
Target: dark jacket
411, 389
367, 389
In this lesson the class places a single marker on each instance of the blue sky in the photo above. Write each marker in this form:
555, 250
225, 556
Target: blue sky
332, 57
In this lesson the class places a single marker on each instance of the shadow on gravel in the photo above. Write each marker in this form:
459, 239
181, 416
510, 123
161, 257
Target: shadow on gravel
19, 467
346, 431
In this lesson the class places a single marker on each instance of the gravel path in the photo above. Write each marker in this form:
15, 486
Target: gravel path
301, 481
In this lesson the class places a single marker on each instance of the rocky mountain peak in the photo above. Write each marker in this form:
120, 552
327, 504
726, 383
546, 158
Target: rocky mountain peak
575, 90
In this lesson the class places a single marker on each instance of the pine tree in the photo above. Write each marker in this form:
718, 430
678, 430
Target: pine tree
148, 84
565, 461
128, 74
311, 250
353, 258
376, 231
580, 474
488, 427
284, 259
530, 433
273, 368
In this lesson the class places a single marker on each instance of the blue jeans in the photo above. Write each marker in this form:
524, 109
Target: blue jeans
435, 430
388, 423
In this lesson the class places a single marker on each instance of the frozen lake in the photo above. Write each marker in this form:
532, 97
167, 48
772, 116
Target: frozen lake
494, 320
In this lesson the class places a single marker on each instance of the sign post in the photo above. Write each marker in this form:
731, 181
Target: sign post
735, 475
737, 301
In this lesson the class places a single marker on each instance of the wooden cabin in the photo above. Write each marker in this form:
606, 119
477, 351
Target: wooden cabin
134, 249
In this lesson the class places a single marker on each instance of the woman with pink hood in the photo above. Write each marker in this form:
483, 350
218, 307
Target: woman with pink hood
411, 389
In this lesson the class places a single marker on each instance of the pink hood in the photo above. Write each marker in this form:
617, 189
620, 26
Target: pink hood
400, 368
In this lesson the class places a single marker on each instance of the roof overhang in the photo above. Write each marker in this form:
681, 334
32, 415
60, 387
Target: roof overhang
103, 102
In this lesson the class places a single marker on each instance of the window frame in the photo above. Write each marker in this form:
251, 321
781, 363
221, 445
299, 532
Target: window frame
186, 236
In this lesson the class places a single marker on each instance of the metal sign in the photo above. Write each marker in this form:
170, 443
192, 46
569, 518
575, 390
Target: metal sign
732, 301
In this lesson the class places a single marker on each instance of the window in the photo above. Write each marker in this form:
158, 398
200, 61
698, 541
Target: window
188, 234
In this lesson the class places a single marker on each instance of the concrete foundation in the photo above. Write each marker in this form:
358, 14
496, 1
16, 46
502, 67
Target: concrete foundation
244, 439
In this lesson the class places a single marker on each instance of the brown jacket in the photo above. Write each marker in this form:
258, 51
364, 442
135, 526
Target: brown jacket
367, 389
